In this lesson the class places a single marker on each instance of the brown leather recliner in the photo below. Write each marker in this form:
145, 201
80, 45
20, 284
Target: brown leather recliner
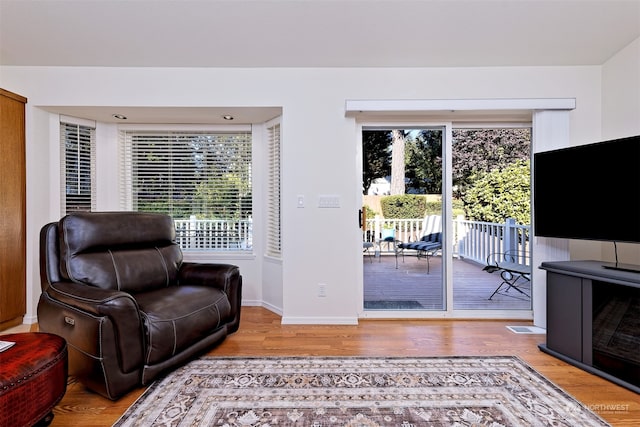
115, 286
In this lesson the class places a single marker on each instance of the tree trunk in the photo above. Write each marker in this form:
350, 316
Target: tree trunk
397, 162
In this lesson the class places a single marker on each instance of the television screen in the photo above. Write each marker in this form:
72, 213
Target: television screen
589, 192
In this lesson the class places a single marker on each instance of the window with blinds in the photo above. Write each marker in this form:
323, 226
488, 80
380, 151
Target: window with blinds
274, 241
201, 179
78, 165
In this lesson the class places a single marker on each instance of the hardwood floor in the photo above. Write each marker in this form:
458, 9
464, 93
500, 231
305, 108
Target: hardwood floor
261, 334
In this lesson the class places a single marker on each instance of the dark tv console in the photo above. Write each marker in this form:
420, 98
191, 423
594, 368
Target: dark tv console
593, 319
634, 268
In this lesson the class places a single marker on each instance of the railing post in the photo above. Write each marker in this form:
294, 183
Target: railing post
458, 239
377, 227
511, 238
193, 224
248, 233
377, 232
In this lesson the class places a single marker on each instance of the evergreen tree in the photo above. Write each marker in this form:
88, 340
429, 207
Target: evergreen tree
424, 162
376, 157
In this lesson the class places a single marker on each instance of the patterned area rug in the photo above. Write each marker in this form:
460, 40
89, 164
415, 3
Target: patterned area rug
363, 392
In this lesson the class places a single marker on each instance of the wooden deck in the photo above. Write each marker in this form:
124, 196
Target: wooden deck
410, 287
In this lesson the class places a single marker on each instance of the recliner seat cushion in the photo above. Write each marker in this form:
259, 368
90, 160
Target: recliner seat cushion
177, 316
107, 250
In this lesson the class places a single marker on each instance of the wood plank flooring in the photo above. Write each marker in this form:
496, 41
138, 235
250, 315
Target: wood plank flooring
261, 334
411, 282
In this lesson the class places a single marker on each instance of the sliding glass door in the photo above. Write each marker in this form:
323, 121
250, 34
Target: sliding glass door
491, 195
403, 209
440, 203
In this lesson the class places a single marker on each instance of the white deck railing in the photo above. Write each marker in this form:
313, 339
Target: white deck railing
214, 235
478, 240
472, 240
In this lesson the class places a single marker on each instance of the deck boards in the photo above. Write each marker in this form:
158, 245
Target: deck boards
410, 282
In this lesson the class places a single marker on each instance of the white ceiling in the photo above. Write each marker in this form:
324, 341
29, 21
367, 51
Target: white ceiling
314, 33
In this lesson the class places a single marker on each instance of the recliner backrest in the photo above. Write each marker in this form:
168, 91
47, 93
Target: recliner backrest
127, 251
49, 255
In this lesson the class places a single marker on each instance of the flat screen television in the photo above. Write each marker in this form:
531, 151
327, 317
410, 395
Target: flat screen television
589, 191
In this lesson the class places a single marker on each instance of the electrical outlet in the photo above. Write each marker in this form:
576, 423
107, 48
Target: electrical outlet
322, 290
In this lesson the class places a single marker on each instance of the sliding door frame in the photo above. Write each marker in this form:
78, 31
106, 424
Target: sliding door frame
550, 129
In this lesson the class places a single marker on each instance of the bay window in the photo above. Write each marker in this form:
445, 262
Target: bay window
202, 178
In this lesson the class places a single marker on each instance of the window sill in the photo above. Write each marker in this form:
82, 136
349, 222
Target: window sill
217, 256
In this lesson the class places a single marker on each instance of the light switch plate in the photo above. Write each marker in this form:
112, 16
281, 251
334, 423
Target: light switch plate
328, 201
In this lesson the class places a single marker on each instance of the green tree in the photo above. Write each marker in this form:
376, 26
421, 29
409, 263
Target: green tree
424, 162
500, 194
225, 197
376, 157
482, 150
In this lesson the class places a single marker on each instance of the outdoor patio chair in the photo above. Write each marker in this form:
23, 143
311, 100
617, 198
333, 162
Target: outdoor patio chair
366, 250
426, 247
516, 276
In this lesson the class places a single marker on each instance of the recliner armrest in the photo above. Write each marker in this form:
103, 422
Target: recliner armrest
93, 300
225, 277
221, 276
119, 307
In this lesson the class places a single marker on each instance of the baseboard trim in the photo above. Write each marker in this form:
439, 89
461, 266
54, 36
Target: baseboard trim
29, 320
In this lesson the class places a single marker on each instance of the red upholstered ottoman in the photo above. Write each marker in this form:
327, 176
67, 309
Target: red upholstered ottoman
33, 378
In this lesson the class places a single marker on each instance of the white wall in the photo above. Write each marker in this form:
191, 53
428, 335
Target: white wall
621, 93
620, 118
318, 149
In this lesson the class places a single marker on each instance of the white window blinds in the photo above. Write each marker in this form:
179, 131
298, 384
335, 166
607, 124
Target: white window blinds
201, 179
274, 241
78, 165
